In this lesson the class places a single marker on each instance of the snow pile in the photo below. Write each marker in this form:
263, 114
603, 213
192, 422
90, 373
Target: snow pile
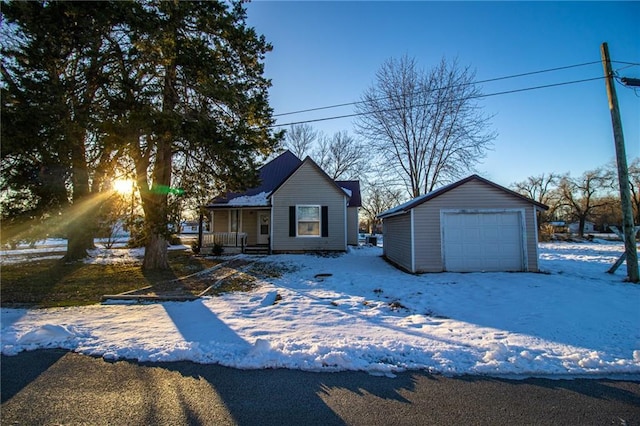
356, 312
250, 200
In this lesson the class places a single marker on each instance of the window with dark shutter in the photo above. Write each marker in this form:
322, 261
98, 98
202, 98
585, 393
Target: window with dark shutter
325, 221
292, 221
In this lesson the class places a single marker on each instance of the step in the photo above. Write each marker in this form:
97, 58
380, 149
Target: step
256, 250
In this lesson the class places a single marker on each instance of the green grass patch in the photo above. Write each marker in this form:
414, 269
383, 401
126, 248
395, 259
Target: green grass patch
49, 283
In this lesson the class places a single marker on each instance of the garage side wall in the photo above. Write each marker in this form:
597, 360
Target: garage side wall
472, 195
397, 240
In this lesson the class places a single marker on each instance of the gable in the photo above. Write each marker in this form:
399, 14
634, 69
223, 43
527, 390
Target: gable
309, 177
309, 182
475, 194
501, 193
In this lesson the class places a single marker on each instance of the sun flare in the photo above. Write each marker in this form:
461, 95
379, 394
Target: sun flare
123, 186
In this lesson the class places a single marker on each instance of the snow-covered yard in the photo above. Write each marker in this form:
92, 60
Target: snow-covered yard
573, 320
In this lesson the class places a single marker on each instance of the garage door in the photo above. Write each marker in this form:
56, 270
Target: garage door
482, 241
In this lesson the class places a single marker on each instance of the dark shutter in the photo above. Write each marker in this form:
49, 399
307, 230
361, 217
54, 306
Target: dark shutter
292, 221
325, 221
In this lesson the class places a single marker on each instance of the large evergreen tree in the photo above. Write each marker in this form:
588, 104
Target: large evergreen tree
160, 87
201, 107
52, 70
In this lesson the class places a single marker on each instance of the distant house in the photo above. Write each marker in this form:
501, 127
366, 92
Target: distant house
192, 227
574, 227
471, 225
559, 226
296, 207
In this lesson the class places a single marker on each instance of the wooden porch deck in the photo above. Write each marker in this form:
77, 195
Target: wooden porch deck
231, 242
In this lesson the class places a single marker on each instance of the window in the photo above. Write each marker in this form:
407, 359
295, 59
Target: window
308, 220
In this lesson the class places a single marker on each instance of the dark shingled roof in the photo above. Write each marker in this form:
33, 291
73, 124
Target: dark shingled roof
277, 171
271, 175
354, 187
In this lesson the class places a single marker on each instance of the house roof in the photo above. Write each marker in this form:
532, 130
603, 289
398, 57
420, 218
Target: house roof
272, 176
350, 188
403, 208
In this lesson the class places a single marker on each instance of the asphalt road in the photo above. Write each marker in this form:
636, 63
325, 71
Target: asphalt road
52, 387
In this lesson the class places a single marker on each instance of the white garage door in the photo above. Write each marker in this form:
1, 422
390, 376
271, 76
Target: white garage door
482, 241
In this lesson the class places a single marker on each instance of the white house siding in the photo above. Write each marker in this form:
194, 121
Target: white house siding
397, 240
352, 226
469, 196
308, 186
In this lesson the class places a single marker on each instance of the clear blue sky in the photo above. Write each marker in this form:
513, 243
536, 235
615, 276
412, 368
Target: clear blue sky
327, 53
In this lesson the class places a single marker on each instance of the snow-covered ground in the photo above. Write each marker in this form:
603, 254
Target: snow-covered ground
574, 320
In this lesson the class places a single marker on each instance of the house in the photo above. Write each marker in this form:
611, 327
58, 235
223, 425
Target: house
192, 227
296, 207
559, 226
471, 225
574, 227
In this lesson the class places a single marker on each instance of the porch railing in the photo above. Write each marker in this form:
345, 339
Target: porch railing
225, 239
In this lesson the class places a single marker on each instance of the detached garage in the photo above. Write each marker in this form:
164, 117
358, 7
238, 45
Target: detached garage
472, 225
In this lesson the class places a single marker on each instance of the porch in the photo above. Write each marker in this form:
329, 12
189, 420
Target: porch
238, 230
231, 242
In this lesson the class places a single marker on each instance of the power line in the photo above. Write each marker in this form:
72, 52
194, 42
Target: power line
631, 64
453, 86
506, 92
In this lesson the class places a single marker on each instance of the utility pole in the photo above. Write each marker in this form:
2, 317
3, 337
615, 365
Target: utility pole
630, 249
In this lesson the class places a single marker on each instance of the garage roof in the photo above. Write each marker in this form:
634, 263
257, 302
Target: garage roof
404, 208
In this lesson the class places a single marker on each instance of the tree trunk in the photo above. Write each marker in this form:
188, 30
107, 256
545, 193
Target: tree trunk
155, 204
155, 255
81, 215
156, 217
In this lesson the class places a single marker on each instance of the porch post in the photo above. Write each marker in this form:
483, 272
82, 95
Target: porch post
237, 225
200, 223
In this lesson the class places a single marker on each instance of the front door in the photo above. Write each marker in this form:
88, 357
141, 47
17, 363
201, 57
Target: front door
264, 218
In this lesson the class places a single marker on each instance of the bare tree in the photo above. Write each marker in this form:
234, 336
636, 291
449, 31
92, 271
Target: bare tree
427, 127
580, 195
634, 183
341, 156
540, 189
300, 138
610, 213
377, 199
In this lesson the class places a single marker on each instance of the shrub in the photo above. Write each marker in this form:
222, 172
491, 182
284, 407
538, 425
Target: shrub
546, 232
217, 249
137, 233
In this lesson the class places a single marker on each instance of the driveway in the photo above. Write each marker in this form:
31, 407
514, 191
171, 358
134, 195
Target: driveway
57, 387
